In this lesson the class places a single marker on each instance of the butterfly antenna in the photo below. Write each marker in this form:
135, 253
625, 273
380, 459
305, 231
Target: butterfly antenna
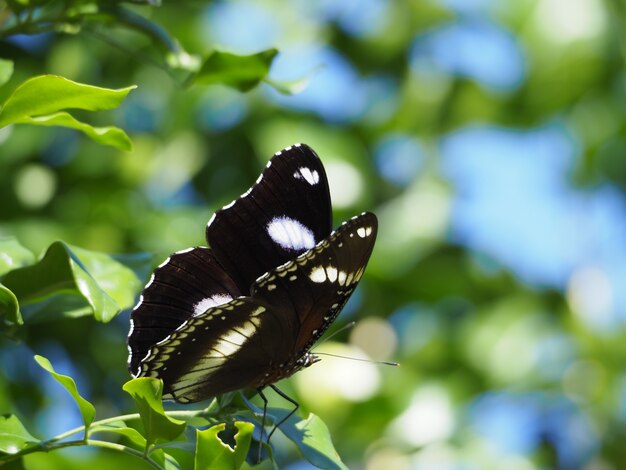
385, 363
335, 333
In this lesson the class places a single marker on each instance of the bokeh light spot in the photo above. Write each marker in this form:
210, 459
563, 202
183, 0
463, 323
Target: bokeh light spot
337, 378
35, 185
429, 417
346, 183
564, 21
375, 337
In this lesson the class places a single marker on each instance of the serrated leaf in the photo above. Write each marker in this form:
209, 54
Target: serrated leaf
158, 427
109, 135
102, 283
87, 410
6, 70
13, 255
312, 437
9, 307
212, 453
242, 72
13, 435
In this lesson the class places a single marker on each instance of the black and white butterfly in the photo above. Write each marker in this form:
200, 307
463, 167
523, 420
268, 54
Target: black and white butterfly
245, 312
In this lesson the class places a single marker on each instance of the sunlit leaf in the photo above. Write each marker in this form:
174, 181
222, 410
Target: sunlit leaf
39, 101
104, 284
147, 393
13, 255
6, 70
47, 94
242, 72
109, 135
165, 460
290, 87
87, 410
120, 428
115, 278
13, 435
212, 453
9, 307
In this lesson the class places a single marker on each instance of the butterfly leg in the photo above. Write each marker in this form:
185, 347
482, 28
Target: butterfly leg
290, 400
264, 398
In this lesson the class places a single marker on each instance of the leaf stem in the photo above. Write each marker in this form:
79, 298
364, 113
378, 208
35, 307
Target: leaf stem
51, 445
179, 414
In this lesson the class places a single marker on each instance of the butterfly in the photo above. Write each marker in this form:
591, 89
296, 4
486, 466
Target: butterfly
245, 311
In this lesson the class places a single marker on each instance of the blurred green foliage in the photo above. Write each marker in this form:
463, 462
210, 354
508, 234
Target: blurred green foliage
499, 370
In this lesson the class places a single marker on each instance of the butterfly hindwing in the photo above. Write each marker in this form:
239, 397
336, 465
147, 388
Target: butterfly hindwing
187, 283
285, 213
226, 348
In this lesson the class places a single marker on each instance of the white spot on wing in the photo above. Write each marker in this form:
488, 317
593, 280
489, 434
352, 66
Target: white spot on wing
205, 304
331, 272
318, 274
290, 234
361, 232
311, 176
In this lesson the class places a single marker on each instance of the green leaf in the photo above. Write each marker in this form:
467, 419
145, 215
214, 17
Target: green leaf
9, 307
312, 438
47, 94
242, 72
39, 100
116, 279
158, 427
212, 453
109, 135
87, 410
120, 428
14, 436
104, 284
13, 255
290, 87
6, 70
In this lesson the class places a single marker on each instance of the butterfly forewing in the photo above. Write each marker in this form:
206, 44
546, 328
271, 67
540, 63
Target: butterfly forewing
187, 283
284, 214
315, 286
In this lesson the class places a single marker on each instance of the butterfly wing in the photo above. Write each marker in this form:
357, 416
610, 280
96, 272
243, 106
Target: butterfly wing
315, 286
187, 283
224, 349
285, 213
255, 341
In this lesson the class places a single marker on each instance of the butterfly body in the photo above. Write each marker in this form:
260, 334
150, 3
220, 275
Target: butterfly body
245, 312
